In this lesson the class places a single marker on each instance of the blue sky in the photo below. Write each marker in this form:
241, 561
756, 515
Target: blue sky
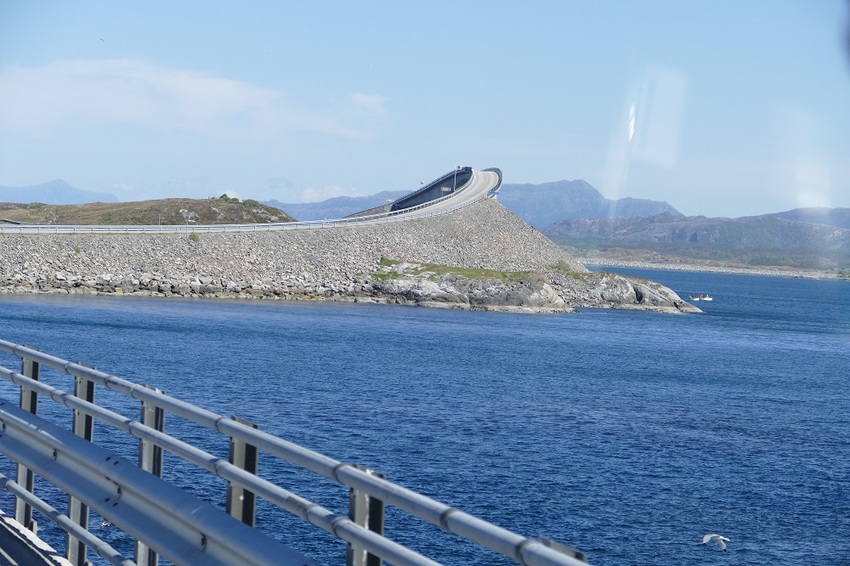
719, 107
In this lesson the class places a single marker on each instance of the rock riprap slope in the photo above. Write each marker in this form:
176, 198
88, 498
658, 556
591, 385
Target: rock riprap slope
479, 257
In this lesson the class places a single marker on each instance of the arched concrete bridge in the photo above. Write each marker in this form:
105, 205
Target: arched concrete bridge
456, 189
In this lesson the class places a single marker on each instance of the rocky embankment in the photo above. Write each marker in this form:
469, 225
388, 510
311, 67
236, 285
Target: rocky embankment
497, 262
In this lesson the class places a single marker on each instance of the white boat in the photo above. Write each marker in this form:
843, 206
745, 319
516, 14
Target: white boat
702, 297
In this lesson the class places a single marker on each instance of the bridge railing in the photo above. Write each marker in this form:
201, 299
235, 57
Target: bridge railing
169, 521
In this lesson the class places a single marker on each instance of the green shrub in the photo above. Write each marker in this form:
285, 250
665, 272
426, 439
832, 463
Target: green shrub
562, 267
193, 237
771, 258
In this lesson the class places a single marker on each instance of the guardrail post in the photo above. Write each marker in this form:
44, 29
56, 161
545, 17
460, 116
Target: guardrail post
366, 511
78, 511
563, 549
242, 503
26, 477
150, 460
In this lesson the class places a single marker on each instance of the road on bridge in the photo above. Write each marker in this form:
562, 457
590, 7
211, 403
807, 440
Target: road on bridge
482, 184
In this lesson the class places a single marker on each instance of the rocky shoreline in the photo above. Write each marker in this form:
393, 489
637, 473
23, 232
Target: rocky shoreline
498, 262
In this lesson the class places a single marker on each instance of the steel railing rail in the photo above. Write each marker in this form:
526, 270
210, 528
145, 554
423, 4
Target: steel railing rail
170, 520
318, 516
498, 172
339, 526
391, 216
524, 550
101, 548
437, 182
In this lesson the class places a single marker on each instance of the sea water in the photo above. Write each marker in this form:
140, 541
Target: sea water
628, 435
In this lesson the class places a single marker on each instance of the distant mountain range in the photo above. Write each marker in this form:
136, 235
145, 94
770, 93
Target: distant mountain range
575, 214
337, 207
815, 238
838, 217
56, 191
539, 205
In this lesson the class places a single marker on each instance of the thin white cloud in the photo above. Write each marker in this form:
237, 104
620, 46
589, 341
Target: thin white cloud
369, 103
136, 92
814, 184
122, 187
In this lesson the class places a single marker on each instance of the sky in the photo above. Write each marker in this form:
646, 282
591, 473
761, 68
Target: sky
718, 107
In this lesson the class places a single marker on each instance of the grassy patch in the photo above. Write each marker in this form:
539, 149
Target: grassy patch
152, 212
563, 268
193, 237
471, 273
771, 258
434, 270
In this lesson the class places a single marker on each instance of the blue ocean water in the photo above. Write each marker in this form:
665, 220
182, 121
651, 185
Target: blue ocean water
627, 435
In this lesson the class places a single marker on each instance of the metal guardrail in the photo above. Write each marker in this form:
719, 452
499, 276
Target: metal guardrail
418, 211
498, 172
169, 521
434, 184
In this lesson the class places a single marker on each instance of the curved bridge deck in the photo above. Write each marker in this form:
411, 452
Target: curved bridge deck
428, 201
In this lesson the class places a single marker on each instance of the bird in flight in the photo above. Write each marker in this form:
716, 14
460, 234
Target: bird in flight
719, 539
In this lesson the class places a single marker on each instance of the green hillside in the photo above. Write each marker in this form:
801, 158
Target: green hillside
769, 240
222, 210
